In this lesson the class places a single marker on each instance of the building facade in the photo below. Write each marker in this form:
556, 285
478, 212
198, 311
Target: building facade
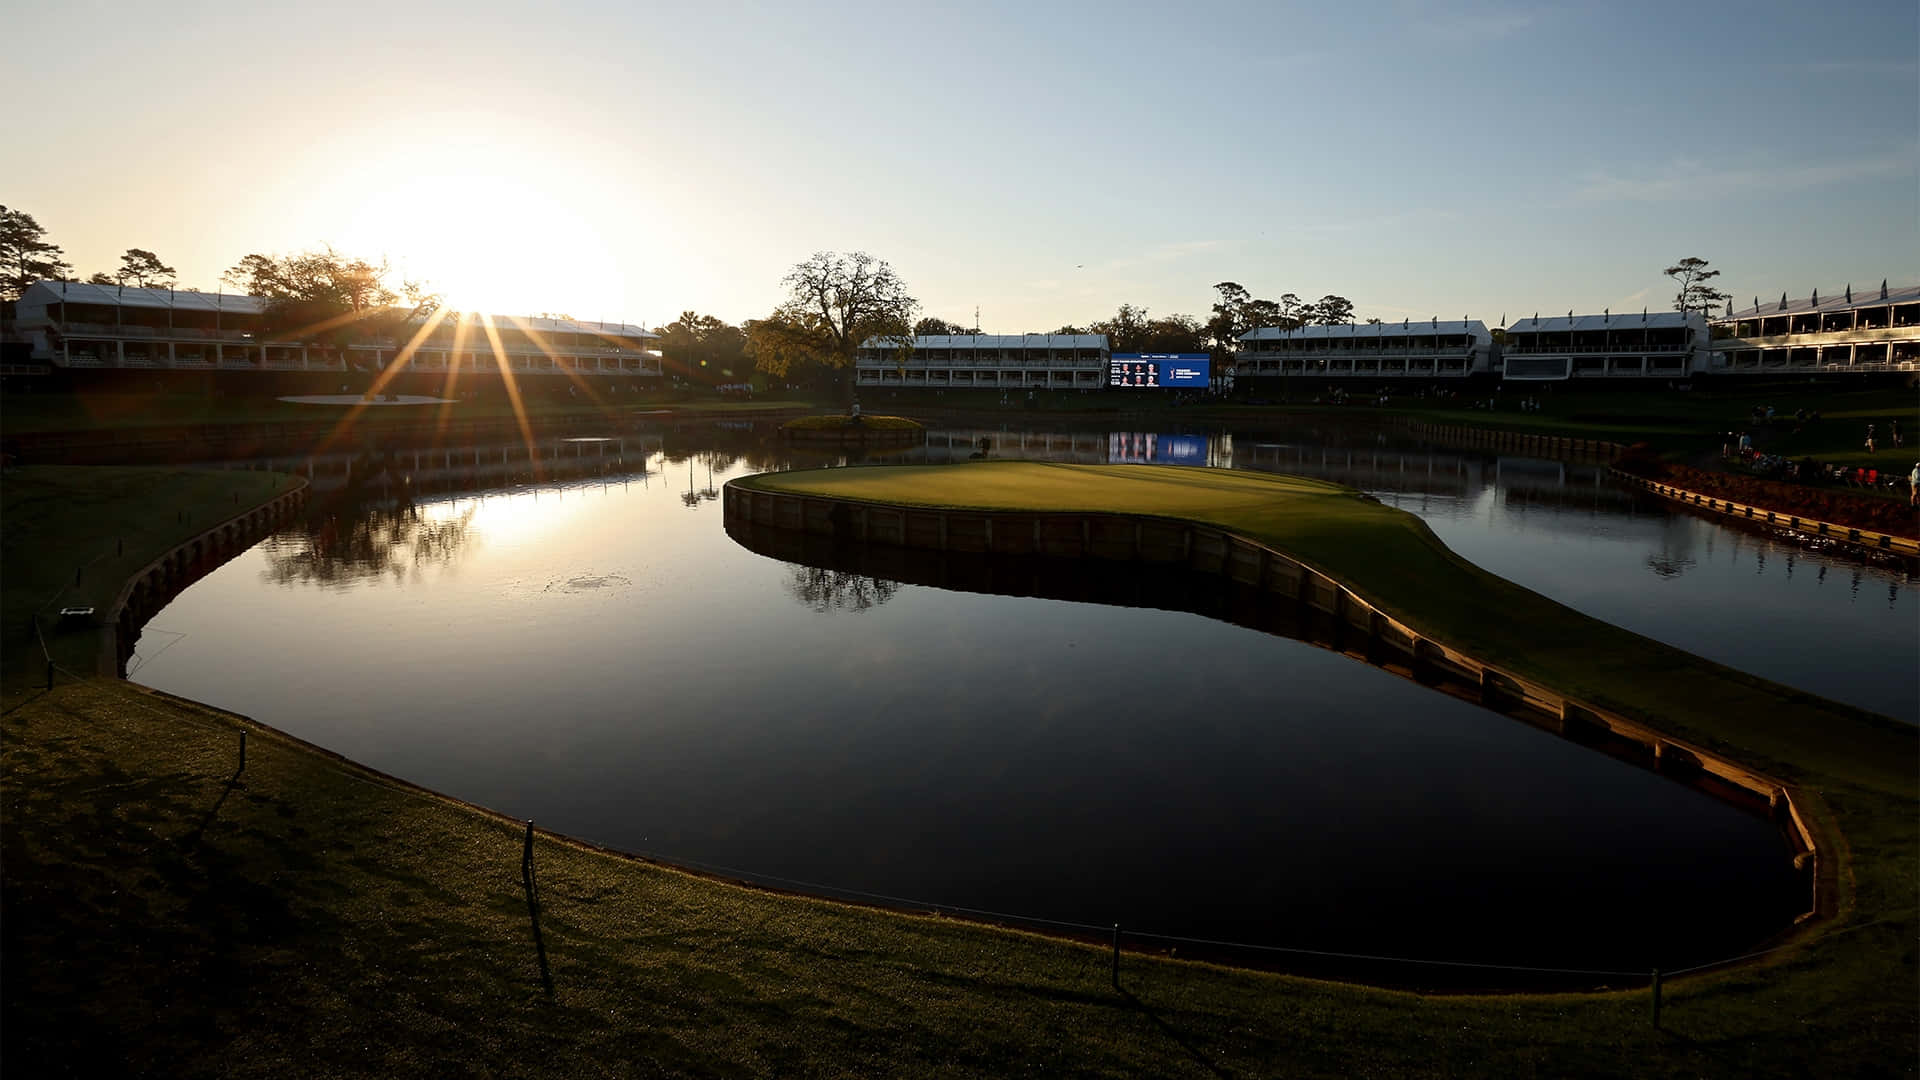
1435, 349
1024, 361
1656, 345
1874, 331
77, 326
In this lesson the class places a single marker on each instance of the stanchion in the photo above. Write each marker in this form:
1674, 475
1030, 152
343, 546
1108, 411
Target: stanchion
1656, 997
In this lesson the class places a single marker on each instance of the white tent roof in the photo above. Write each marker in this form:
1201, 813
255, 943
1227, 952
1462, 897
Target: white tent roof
1829, 301
1000, 341
1412, 328
1634, 320
75, 292
564, 326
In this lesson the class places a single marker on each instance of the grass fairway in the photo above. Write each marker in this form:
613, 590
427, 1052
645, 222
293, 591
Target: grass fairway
163, 915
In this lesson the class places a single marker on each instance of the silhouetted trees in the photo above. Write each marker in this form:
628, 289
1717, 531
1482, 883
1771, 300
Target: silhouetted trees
835, 302
1695, 294
704, 348
26, 255
1131, 329
143, 269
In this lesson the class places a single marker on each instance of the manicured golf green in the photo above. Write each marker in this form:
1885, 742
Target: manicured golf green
1392, 558
165, 914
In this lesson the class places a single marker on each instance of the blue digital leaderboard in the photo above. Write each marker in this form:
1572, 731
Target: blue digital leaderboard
1153, 371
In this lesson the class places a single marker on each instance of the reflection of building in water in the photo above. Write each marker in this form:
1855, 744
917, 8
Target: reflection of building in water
1435, 472
462, 467
1527, 481
960, 444
1051, 361
1083, 447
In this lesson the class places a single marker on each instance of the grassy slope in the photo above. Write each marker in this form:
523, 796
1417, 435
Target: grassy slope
315, 918
56, 520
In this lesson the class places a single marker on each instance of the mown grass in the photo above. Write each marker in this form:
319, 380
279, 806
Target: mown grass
1695, 422
306, 917
162, 914
71, 537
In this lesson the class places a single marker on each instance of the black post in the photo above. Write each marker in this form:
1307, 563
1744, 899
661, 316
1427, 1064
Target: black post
243, 753
1656, 998
533, 907
1116, 956
49, 674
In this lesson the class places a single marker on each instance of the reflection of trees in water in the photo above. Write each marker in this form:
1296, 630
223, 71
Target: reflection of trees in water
1668, 566
837, 590
365, 543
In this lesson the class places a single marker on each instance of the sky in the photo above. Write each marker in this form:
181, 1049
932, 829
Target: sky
1042, 162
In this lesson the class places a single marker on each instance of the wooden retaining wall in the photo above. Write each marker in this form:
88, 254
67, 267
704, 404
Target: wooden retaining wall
1518, 442
1205, 549
1906, 545
166, 577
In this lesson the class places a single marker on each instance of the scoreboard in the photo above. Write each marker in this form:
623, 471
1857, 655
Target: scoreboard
1154, 371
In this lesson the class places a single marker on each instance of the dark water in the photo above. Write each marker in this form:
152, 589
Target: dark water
598, 655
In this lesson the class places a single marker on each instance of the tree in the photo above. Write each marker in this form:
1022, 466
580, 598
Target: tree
1173, 334
932, 327
101, 277
325, 278
835, 303
1695, 294
333, 298
703, 347
1125, 331
1331, 311
143, 269
1229, 319
25, 254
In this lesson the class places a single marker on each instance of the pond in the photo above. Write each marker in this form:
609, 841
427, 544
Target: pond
596, 654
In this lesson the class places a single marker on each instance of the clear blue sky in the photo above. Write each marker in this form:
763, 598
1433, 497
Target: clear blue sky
1044, 161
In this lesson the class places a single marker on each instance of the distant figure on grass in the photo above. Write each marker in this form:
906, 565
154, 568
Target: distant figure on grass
1913, 485
1870, 438
1899, 439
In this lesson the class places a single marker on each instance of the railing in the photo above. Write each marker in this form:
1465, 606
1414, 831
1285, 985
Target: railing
1543, 350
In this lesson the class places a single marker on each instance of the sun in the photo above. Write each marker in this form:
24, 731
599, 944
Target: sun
487, 242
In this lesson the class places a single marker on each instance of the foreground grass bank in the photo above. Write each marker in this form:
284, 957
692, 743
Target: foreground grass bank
305, 916
71, 537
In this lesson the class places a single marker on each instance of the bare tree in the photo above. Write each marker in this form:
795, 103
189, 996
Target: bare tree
835, 303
